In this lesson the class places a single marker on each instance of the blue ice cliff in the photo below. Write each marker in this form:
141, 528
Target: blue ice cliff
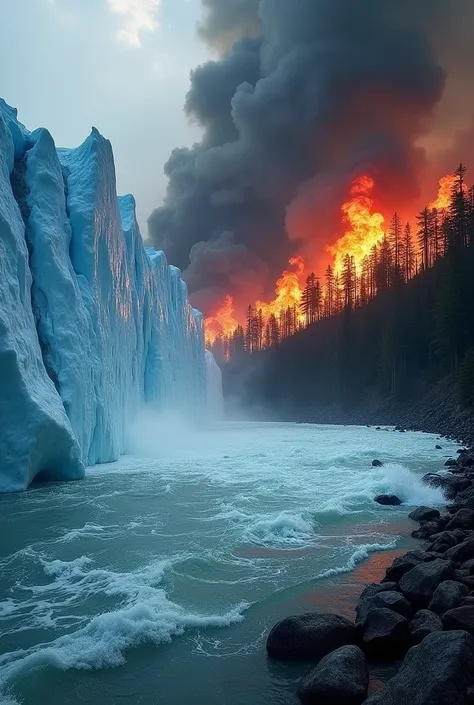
93, 325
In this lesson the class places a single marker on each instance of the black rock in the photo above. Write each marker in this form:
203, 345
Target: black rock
373, 588
447, 596
468, 566
462, 552
403, 564
388, 499
434, 480
427, 529
419, 584
424, 514
384, 633
340, 678
439, 671
377, 464
463, 519
439, 447
460, 618
309, 636
451, 463
443, 541
423, 623
391, 600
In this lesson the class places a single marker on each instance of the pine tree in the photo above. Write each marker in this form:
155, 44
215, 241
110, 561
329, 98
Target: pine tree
408, 254
395, 237
424, 236
329, 292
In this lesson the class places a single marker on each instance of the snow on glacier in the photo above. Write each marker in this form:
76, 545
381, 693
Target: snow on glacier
92, 324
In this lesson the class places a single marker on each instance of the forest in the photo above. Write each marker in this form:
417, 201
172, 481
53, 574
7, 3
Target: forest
406, 317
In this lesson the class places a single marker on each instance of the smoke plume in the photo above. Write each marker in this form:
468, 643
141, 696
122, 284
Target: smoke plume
305, 96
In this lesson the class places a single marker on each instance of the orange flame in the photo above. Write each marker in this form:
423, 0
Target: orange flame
365, 227
445, 193
288, 290
222, 323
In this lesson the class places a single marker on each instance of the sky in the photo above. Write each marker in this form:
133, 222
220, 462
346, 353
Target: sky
119, 65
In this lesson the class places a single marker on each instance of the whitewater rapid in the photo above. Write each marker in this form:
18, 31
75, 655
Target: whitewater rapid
189, 550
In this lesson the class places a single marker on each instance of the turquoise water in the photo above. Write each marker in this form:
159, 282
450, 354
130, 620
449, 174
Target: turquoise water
157, 578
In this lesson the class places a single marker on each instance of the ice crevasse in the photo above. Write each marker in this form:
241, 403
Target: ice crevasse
92, 324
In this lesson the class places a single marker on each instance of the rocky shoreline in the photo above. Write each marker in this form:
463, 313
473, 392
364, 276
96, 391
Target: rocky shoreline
420, 617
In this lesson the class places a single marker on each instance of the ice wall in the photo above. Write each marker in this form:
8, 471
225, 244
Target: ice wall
92, 324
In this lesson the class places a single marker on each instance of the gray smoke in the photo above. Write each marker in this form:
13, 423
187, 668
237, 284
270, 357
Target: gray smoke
310, 94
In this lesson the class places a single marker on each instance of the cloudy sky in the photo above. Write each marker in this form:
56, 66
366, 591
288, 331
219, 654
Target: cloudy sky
120, 65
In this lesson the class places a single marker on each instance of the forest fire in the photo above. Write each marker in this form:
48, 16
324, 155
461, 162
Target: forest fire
289, 289
222, 323
300, 298
365, 227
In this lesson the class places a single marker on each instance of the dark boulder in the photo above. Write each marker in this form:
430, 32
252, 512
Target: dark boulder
373, 588
387, 599
468, 566
423, 623
384, 633
434, 480
462, 552
466, 460
443, 541
309, 636
460, 618
427, 529
437, 672
463, 519
419, 584
388, 499
447, 596
451, 463
424, 514
377, 464
439, 447
403, 564
340, 678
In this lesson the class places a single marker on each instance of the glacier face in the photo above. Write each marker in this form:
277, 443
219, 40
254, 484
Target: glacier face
92, 324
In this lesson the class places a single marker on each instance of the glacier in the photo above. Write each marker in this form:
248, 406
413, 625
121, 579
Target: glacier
93, 324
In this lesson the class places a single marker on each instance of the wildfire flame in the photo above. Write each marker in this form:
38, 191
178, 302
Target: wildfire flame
288, 290
365, 227
445, 193
222, 323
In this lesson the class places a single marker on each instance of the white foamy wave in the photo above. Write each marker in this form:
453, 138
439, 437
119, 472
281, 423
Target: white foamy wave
359, 555
408, 486
88, 531
145, 615
286, 529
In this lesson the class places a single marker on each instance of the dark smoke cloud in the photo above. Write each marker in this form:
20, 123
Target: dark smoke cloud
327, 90
229, 20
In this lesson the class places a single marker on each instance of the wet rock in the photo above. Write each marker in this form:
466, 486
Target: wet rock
439, 671
419, 584
373, 588
434, 480
309, 636
450, 463
438, 447
447, 596
403, 564
384, 633
463, 519
424, 514
377, 464
462, 552
468, 566
460, 618
387, 599
427, 529
443, 541
340, 678
388, 499
424, 623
